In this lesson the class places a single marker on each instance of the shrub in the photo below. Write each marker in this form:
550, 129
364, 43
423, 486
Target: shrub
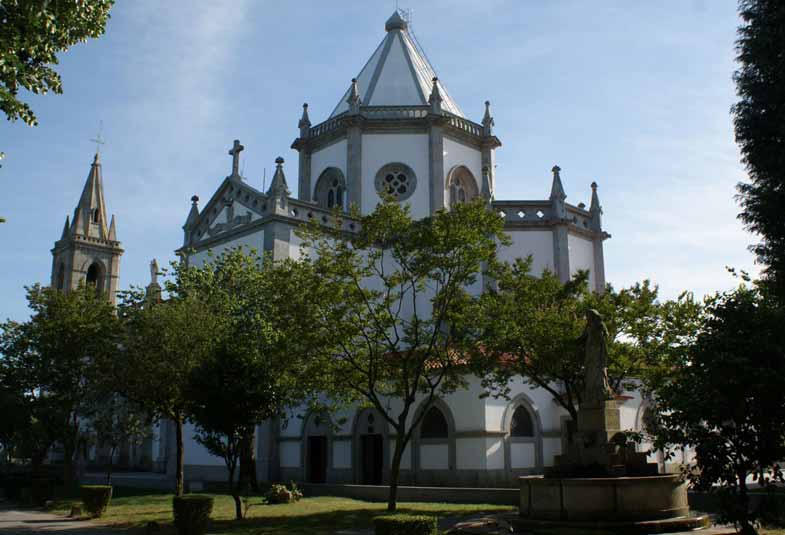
192, 513
279, 493
96, 498
404, 525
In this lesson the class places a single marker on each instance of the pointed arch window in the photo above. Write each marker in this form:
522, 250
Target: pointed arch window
461, 185
434, 424
60, 282
522, 424
95, 276
331, 189
96, 215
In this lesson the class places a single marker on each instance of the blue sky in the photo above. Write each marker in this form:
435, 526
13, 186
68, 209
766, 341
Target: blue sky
634, 95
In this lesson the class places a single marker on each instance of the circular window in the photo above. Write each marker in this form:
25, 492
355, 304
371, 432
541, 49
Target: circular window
396, 180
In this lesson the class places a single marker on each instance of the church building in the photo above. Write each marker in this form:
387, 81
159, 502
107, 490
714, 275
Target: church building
395, 131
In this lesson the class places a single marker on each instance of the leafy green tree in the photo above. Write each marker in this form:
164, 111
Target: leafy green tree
163, 343
531, 327
383, 299
759, 119
724, 399
53, 359
253, 374
33, 33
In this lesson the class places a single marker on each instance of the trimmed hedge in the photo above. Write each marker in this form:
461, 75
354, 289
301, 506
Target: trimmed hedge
192, 513
405, 525
96, 498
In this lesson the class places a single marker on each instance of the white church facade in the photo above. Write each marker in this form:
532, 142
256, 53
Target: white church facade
397, 131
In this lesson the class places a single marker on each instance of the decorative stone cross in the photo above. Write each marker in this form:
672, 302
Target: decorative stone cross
235, 154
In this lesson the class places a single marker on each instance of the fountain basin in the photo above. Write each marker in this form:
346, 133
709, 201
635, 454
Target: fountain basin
640, 498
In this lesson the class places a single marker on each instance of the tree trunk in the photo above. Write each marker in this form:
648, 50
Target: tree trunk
109, 466
744, 510
180, 469
248, 463
235, 491
395, 468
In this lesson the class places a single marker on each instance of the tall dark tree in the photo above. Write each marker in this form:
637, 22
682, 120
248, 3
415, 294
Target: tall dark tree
759, 119
724, 399
53, 360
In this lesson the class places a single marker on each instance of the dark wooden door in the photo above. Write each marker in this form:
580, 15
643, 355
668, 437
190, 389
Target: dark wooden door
372, 459
317, 459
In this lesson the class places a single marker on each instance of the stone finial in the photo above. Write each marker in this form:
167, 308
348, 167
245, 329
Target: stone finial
66, 228
487, 120
595, 208
234, 152
353, 99
278, 187
112, 236
192, 220
557, 189
305, 122
195, 200
435, 100
395, 22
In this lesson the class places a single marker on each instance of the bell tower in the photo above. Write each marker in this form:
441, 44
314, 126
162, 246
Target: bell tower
88, 251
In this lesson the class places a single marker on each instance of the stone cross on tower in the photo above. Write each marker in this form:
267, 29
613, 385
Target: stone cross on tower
235, 154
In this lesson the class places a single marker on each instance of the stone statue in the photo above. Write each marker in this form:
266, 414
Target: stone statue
596, 388
154, 271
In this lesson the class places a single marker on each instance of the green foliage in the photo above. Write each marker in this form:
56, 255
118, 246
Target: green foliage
165, 341
724, 399
392, 338
192, 513
33, 32
405, 525
279, 493
52, 364
96, 498
759, 120
252, 374
531, 326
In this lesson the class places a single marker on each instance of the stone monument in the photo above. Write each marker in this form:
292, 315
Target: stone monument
601, 482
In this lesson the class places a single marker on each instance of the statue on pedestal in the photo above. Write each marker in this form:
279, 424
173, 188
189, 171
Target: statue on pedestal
596, 388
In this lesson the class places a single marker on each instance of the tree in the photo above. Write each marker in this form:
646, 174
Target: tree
52, 358
164, 342
33, 32
253, 374
759, 119
383, 299
724, 399
530, 327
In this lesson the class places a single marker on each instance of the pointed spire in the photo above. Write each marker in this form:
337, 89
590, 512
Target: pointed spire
595, 208
305, 122
112, 231
353, 99
557, 190
435, 100
90, 213
487, 120
395, 22
66, 227
191, 221
278, 187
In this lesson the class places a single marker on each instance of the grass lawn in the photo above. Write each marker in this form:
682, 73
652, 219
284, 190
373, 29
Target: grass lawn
310, 516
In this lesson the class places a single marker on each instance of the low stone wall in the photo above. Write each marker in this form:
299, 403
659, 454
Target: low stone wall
378, 493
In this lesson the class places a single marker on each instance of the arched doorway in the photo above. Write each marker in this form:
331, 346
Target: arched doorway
371, 446
316, 446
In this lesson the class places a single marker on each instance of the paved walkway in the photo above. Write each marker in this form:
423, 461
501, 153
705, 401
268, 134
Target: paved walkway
23, 521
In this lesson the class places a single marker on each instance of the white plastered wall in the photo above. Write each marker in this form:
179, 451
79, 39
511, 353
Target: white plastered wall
455, 154
195, 453
333, 155
538, 243
251, 243
410, 149
581, 256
